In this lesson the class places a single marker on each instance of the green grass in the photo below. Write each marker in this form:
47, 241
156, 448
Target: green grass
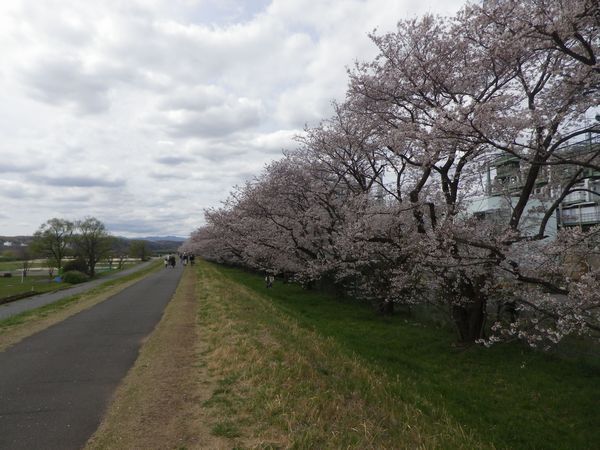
46, 310
9, 266
12, 266
39, 284
226, 429
285, 386
12, 285
509, 395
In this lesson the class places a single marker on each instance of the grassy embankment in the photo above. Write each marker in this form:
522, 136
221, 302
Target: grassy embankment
246, 367
331, 374
251, 377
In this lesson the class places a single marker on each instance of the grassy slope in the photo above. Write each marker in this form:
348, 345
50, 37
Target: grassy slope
514, 397
225, 369
281, 385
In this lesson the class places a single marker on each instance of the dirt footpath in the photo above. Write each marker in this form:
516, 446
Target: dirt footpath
159, 404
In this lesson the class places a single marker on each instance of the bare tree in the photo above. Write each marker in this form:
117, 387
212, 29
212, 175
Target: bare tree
53, 239
92, 242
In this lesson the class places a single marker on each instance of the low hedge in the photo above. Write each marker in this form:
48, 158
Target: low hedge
75, 265
75, 277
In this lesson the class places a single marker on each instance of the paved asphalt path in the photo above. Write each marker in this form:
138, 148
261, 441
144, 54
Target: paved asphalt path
56, 384
25, 304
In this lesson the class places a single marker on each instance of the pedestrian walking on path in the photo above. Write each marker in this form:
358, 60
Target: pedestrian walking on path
269, 278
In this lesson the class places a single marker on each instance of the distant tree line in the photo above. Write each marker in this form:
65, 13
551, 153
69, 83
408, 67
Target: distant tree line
87, 240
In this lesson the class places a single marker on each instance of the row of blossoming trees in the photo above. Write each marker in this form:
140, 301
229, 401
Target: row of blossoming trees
375, 198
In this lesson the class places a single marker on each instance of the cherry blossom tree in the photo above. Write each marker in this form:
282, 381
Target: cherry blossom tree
380, 197
452, 96
569, 26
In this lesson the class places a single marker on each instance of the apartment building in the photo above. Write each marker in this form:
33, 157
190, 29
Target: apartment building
579, 208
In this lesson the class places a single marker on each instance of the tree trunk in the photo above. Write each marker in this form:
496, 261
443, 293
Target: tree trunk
468, 308
386, 308
470, 320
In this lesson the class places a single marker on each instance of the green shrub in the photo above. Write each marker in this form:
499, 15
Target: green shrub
75, 277
77, 265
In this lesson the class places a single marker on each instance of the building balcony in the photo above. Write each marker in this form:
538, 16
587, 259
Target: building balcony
579, 217
577, 197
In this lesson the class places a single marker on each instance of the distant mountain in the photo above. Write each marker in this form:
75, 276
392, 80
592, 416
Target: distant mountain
159, 244
163, 238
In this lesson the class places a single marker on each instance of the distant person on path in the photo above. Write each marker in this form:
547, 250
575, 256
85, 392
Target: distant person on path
192, 259
269, 280
166, 261
173, 261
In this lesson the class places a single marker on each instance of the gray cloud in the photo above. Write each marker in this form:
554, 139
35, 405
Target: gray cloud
16, 193
131, 226
65, 81
194, 98
66, 198
174, 160
82, 181
215, 155
232, 116
165, 176
12, 190
148, 224
15, 167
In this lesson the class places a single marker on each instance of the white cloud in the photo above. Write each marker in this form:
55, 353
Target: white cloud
82, 181
210, 116
144, 112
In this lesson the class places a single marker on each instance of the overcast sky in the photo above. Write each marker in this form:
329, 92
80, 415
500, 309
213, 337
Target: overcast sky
144, 112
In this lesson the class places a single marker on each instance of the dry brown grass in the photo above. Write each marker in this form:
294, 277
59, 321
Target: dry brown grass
283, 386
225, 369
159, 404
